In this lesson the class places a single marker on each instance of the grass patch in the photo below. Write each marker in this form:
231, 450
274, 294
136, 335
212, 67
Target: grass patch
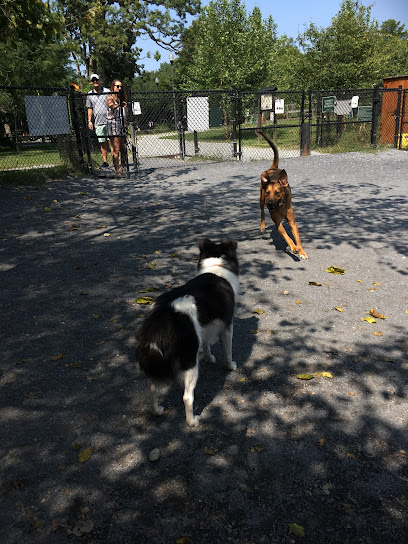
29, 155
36, 178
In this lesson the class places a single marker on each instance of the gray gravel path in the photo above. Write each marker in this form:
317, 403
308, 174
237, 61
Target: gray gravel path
328, 454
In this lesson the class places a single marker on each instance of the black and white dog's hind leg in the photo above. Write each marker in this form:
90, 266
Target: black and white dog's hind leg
227, 334
190, 381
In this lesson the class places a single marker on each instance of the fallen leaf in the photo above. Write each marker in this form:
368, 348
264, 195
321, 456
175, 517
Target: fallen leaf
315, 283
376, 314
175, 255
369, 319
257, 448
152, 265
28, 198
296, 530
243, 380
350, 455
106, 234
210, 451
298, 301
75, 365
84, 455
83, 194
335, 270
305, 376
324, 375
258, 311
46, 209
322, 442
271, 331
254, 331
377, 333
144, 300
351, 394
57, 357
377, 283
287, 293
29, 360
338, 308
181, 540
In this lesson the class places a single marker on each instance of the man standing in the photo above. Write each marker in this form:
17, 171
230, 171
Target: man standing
96, 104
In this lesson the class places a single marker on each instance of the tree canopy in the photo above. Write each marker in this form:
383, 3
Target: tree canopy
226, 46
102, 34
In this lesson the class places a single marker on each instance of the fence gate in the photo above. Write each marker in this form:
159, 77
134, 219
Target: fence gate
169, 128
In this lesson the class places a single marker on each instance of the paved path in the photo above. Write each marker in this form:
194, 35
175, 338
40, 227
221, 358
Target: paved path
328, 454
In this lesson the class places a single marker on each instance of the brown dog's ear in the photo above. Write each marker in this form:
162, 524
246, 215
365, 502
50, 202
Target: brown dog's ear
283, 178
264, 177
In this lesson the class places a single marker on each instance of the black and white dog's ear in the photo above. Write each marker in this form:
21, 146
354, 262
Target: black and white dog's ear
230, 244
204, 243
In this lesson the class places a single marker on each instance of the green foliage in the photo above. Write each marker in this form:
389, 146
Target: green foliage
31, 51
352, 51
102, 34
225, 46
31, 17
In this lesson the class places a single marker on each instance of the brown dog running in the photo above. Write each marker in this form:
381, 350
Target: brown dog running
277, 196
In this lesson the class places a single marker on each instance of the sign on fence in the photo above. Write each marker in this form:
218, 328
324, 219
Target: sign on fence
365, 113
47, 115
328, 103
198, 113
280, 105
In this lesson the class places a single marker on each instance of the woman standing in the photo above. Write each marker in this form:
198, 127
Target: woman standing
116, 103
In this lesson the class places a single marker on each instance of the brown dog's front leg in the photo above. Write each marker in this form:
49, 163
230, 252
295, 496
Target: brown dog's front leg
262, 206
298, 249
285, 236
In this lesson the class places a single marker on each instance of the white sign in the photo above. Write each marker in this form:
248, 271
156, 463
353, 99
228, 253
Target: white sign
354, 102
280, 106
47, 115
198, 113
266, 102
342, 107
136, 109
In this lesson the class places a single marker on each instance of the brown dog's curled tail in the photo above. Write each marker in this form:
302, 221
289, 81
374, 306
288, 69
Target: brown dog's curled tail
275, 162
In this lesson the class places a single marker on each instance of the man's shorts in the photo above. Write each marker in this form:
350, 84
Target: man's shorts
100, 131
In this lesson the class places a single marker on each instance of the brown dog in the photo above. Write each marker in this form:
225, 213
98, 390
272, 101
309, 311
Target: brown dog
277, 196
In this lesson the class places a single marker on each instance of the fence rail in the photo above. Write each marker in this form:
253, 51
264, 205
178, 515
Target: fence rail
47, 127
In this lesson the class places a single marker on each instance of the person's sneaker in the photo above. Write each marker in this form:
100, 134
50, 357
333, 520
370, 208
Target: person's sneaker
104, 165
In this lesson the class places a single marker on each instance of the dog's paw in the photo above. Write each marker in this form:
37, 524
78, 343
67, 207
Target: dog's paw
210, 358
158, 410
194, 422
302, 255
231, 365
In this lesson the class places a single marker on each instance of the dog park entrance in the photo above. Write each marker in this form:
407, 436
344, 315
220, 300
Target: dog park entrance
165, 129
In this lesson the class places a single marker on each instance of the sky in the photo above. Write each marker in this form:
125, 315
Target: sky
292, 17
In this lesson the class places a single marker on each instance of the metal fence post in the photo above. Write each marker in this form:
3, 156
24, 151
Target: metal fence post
234, 121
75, 125
397, 117
304, 130
374, 120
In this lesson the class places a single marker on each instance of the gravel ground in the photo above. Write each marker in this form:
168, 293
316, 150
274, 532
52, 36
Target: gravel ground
275, 456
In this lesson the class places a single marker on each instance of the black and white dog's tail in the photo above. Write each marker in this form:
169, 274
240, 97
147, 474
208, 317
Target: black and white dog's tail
167, 344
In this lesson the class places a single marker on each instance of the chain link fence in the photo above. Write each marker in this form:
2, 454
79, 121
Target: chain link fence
46, 128
35, 128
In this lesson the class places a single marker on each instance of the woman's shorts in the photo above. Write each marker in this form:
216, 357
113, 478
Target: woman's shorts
100, 131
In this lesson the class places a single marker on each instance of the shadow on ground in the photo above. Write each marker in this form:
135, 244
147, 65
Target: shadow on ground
327, 454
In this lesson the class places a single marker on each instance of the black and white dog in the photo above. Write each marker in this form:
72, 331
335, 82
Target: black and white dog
188, 319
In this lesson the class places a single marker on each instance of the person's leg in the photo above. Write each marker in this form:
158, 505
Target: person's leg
123, 154
115, 143
104, 151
